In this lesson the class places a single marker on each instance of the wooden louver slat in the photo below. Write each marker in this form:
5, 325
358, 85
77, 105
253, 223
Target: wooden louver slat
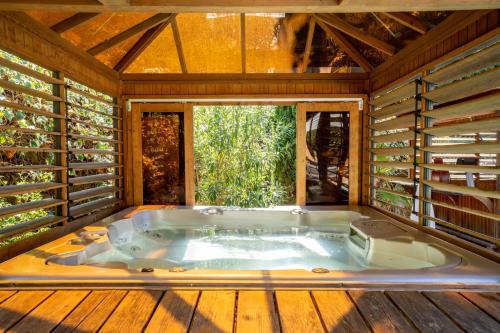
10, 190
90, 207
92, 179
474, 107
461, 229
406, 121
34, 149
483, 59
92, 166
30, 109
94, 151
91, 96
462, 189
393, 151
19, 228
395, 179
28, 91
28, 130
473, 148
86, 123
401, 194
393, 137
404, 209
478, 126
464, 88
30, 72
395, 165
463, 168
92, 138
24, 168
395, 109
395, 95
92, 193
73, 105
465, 209
29, 206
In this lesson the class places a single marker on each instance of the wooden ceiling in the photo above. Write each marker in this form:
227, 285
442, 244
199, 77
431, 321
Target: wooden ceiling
362, 40
254, 6
355, 40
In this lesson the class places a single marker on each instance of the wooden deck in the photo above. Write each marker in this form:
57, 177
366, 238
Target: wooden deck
218, 311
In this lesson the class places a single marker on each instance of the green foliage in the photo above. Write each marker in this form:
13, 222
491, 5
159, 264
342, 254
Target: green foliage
245, 155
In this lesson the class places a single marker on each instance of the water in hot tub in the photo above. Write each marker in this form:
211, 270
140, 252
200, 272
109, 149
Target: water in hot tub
249, 248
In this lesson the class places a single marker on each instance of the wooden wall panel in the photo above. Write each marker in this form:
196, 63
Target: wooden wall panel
29, 39
246, 85
456, 32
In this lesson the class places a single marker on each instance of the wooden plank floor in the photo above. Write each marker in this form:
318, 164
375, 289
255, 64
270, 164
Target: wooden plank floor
220, 311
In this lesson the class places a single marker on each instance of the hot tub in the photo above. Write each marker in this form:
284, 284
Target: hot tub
286, 246
224, 239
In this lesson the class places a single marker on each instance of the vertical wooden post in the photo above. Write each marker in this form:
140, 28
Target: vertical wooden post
300, 173
60, 125
372, 168
189, 173
128, 162
355, 153
136, 138
118, 146
366, 158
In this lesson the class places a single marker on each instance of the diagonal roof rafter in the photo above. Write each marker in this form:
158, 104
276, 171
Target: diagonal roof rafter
138, 48
178, 46
130, 32
339, 24
343, 43
309, 41
73, 22
409, 21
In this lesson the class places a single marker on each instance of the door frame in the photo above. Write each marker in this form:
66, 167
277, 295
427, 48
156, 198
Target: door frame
355, 144
137, 109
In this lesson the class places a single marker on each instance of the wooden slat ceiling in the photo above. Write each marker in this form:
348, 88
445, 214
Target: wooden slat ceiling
149, 42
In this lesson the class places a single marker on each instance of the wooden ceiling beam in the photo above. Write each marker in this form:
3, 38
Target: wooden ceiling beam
452, 24
136, 29
178, 46
73, 21
343, 43
245, 6
409, 21
309, 41
348, 29
139, 47
115, 2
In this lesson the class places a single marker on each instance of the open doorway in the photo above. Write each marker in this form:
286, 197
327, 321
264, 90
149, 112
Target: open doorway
328, 153
245, 155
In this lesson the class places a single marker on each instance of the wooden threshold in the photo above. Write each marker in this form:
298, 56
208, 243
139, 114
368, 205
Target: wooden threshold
248, 310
